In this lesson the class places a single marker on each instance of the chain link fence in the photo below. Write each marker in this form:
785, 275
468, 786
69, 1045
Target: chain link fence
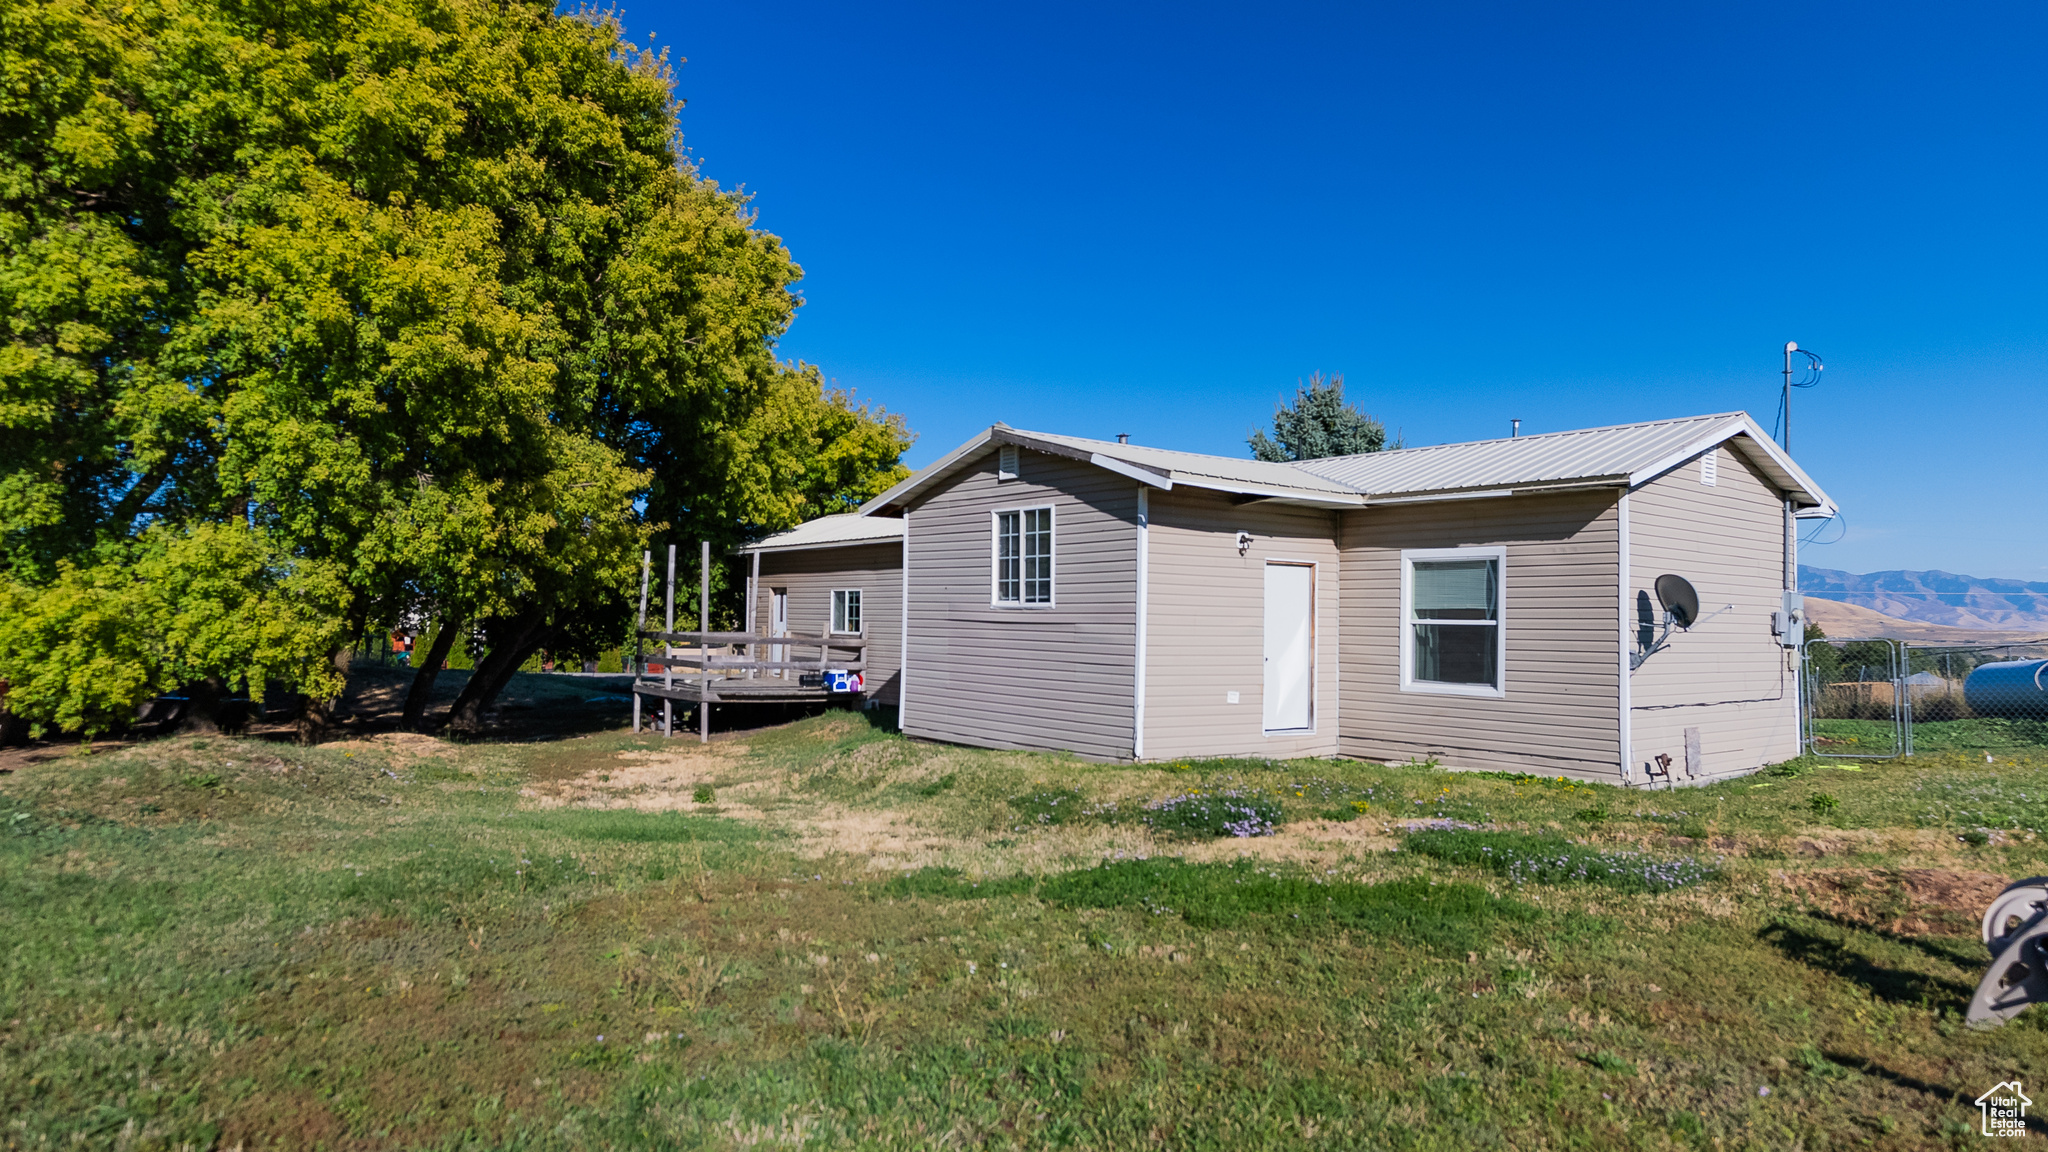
1882, 698
1989, 698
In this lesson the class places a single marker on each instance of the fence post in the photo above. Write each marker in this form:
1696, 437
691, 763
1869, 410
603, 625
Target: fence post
668, 668
753, 600
1902, 704
704, 643
639, 626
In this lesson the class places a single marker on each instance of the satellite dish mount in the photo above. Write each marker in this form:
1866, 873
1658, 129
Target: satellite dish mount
1681, 611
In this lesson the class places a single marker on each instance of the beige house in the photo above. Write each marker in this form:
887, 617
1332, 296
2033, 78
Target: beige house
1484, 605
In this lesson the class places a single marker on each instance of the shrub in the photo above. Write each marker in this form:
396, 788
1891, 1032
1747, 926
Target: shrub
1554, 860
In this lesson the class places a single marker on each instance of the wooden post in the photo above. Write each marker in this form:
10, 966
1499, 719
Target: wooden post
668, 650
753, 599
640, 625
703, 643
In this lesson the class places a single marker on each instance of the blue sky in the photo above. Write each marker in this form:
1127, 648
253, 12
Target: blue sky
1156, 219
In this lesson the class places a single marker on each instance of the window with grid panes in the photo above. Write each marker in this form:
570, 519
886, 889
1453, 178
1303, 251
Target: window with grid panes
1023, 556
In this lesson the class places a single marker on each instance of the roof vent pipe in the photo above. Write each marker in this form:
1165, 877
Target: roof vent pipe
1514, 429
1123, 437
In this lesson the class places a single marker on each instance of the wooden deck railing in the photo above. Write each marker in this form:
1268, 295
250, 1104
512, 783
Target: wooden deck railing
703, 676
704, 660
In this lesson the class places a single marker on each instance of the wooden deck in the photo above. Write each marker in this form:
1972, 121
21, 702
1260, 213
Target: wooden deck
693, 673
738, 692
700, 668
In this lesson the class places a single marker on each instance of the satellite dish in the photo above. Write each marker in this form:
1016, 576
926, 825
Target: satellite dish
1677, 595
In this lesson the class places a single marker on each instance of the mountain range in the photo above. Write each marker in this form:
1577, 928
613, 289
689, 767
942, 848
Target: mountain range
1934, 597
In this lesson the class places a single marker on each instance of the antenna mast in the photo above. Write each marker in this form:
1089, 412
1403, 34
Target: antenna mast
1785, 437
1813, 365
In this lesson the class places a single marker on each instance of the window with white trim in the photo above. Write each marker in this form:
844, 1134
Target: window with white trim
1023, 556
1452, 633
846, 612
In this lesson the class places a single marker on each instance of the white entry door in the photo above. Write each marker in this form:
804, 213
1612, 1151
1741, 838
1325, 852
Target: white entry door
1290, 645
778, 625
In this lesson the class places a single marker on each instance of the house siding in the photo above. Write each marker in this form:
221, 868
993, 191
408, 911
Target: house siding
1561, 710
811, 575
1727, 676
1206, 625
1056, 678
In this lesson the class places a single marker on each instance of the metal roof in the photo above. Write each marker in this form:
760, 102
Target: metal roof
831, 532
1623, 455
1159, 467
1192, 468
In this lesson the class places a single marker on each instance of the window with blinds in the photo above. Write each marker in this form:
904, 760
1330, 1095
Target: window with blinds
1454, 622
1023, 556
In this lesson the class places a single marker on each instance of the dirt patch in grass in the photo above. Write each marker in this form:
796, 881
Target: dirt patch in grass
886, 840
650, 779
1816, 844
29, 755
395, 751
1308, 842
1961, 891
1914, 901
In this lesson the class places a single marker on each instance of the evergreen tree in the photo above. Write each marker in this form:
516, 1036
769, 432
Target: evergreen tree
1319, 424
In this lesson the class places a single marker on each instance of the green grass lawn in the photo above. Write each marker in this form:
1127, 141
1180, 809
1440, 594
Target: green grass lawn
1978, 734
827, 936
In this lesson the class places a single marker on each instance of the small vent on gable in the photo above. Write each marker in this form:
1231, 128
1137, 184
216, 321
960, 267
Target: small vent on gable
1710, 465
1006, 462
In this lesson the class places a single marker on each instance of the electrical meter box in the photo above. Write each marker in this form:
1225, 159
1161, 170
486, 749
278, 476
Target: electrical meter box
1789, 621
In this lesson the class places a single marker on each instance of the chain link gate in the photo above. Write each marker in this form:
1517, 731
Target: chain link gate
1854, 698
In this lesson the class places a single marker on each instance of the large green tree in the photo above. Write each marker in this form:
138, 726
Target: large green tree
1319, 423
368, 308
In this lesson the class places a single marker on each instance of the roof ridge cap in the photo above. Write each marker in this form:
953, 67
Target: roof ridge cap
1112, 444
1531, 436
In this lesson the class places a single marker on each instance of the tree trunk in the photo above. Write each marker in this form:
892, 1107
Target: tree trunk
527, 632
13, 729
316, 714
423, 677
206, 707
